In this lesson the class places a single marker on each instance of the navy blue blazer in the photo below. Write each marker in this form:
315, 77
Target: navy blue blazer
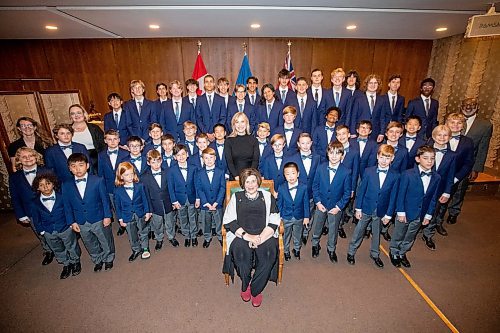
304, 177
345, 104
93, 207
206, 118
289, 149
400, 162
159, 198
275, 118
351, 162
419, 142
398, 113
138, 125
220, 162
338, 192
446, 170
371, 197
411, 197
464, 157
369, 156
256, 102
320, 141
195, 161
43, 220
429, 121
168, 121
290, 99
144, 163
361, 111
150, 146
21, 194
269, 169
109, 123
210, 192
181, 190
248, 110
321, 105
126, 207
106, 169
309, 118
187, 99
165, 164
57, 161
297, 208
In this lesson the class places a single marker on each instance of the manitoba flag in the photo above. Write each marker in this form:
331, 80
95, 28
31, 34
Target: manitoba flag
288, 66
199, 73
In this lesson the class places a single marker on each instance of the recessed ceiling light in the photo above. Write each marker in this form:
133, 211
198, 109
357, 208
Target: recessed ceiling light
441, 29
154, 26
255, 26
351, 27
51, 27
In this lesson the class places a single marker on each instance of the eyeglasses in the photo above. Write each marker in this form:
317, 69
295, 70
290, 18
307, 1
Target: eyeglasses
26, 126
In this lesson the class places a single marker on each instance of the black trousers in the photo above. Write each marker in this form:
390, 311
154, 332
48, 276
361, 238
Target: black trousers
262, 259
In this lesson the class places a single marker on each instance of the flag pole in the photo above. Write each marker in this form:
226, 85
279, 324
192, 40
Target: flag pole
244, 45
199, 47
289, 45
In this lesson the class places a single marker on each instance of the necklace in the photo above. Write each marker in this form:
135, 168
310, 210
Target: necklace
250, 198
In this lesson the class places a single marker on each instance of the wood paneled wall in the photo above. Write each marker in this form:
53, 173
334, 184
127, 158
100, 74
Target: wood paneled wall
99, 66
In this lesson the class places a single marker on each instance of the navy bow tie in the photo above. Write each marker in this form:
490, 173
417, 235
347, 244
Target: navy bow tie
305, 157
442, 151
331, 129
409, 138
81, 180
28, 172
189, 142
137, 159
169, 157
278, 157
332, 169
456, 137
263, 143
362, 140
210, 170
185, 169
156, 146
288, 130
111, 152
157, 173
423, 173
66, 147
221, 145
49, 198
382, 170
128, 188
293, 188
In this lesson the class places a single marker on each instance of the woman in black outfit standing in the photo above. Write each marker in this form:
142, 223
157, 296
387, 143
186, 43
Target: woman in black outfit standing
241, 149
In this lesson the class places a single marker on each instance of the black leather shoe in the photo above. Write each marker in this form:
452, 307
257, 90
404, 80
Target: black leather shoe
206, 243
386, 236
151, 235
134, 256
213, 232
121, 231
404, 261
346, 218
367, 233
108, 266
200, 233
350, 259
287, 256
333, 256
377, 262
395, 261
174, 242
159, 245
76, 269
441, 230
296, 254
342, 233
66, 272
451, 219
187, 243
315, 250
304, 240
220, 241
194, 242
429, 243
325, 230
47, 259
98, 267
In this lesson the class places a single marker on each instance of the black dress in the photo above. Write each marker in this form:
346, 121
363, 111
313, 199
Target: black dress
14, 146
242, 151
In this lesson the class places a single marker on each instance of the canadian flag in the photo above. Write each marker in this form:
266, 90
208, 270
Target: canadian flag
199, 73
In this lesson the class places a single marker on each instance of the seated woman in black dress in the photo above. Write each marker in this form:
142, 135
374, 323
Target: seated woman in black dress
241, 148
252, 220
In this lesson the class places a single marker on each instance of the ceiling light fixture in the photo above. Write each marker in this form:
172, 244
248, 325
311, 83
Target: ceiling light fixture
441, 29
51, 27
154, 26
351, 27
255, 26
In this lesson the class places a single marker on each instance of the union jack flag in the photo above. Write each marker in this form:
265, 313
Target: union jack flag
288, 66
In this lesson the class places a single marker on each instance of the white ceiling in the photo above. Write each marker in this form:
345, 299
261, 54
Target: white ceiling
383, 19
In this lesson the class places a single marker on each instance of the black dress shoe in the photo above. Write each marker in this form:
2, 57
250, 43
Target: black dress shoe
315, 250
152, 235
404, 261
108, 266
296, 254
377, 262
304, 240
200, 233
325, 230
429, 243
342, 233
451, 219
159, 245
350, 259
214, 233
174, 242
121, 231
98, 267
76, 269
395, 261
187, 243
134, 256
194, 242
48, 257
287, 256
206, 243
66, 272
367, 233
333, 256
386, 236
220, 241
346, 219
441, 230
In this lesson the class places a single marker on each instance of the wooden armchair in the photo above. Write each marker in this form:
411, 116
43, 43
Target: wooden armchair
233, 186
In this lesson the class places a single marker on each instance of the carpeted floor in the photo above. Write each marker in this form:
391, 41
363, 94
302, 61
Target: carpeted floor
182, 290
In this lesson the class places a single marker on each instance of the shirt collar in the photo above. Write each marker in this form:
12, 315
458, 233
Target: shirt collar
424, 98
391, 94
118, 112
48, 196
141, 99
420, 169
84, 176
